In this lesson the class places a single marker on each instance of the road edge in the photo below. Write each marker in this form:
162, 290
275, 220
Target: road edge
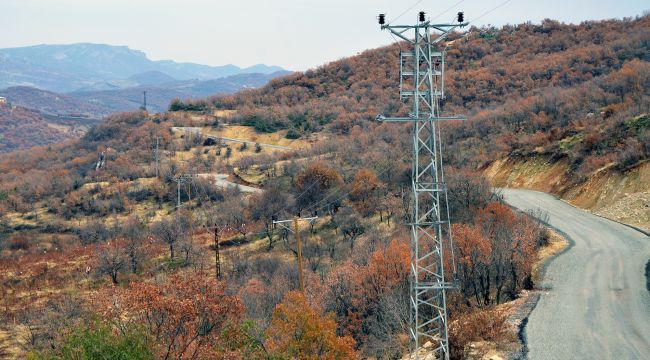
642, 231
534, 298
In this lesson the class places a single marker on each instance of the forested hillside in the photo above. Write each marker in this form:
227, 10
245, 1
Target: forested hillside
546, 88
53, 103
23, 128
96, 253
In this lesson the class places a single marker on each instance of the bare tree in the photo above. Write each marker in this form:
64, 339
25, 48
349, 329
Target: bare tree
94, 232
351, 225
313, 252
169, 232
233, 208
111, 261
270, 204
134, 233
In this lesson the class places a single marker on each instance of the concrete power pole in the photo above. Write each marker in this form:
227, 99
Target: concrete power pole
296, 232
422, 82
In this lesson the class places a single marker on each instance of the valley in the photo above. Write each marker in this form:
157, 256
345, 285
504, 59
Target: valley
172, 214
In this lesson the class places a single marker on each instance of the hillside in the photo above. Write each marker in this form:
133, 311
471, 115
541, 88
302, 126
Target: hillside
66, 68
22, 128
525, 88
53, 103
160, 91
92, 228
54, 117
619, 195
159, 95
575, 95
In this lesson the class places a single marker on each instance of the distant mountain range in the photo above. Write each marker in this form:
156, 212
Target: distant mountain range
96, 79
66, 68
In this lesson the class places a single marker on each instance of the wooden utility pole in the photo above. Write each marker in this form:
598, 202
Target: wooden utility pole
179, 179
296, 232
217, 255
157, 156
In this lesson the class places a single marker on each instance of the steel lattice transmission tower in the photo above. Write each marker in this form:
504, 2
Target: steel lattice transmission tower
422, 83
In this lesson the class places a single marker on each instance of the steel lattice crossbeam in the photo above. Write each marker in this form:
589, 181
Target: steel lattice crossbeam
422, 83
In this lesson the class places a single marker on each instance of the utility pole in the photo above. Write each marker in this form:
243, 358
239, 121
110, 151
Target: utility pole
422, 82
157, 156
296, 233
217, 252
179, 179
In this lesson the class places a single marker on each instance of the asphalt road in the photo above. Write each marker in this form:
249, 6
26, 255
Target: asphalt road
597, 305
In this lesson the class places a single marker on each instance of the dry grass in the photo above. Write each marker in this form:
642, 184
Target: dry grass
556, 244
249, 134
11, 336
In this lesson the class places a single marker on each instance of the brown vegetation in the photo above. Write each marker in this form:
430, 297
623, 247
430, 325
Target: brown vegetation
108, 232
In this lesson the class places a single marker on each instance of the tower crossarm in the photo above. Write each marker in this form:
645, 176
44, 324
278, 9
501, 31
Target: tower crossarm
381, 118
444, 29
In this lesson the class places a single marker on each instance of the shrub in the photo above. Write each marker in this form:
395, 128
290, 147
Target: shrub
299, 331
487, 325
630, 155
139, 194
98, 341
94, 232
20, 242
292, 134
178, 105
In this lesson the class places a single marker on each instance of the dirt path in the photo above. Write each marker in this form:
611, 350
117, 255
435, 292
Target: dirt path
221, 180
197, 130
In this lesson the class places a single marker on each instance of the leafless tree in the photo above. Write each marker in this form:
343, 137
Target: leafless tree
351, 225
271, 205
111, 261
134, 234
169, 232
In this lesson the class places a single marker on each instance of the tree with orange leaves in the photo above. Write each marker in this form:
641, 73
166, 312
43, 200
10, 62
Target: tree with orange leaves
315, 183
366, 190
386, 269
381, 300
185, 315
299, 331
474, 255
513, 240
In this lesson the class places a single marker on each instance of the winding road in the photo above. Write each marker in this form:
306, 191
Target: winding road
596, 305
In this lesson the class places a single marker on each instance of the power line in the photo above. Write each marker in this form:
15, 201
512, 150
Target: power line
407, 10
317, 204
449, 8
491, 10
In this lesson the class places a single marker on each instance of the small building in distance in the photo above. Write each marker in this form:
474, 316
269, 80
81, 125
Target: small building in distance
3, 100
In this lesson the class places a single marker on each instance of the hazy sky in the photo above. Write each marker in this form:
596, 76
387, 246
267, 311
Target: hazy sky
295, 34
